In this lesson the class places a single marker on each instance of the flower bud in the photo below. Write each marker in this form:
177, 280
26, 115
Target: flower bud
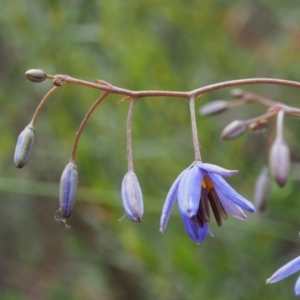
132, 197
24, 146
262, 190
214, 107
237, 93
68, 189
259, 126
279, 159
36, 75
233, 130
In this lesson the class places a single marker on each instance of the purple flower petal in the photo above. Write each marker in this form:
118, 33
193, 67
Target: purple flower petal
233, 209
189, 191
169, 203
217, 170
285, 271
195, 232
297, 287
224, 188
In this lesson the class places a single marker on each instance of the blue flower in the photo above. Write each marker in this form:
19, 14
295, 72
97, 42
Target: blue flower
197, 188
287, 270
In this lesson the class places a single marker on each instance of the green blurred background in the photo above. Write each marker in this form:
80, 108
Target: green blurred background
139, 45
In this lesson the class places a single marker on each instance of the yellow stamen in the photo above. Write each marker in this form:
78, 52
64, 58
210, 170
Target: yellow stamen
209, 197
207, 184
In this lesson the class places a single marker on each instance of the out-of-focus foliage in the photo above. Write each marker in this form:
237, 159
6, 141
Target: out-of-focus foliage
172, 45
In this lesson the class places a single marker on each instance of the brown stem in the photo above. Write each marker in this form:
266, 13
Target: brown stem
129, 146
139, 94
83, 123
42, 103
279, 125
248, 81
194, 129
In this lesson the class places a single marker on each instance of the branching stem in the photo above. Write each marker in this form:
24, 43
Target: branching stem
140, 94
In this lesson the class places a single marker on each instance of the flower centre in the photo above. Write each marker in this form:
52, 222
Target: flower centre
209, 197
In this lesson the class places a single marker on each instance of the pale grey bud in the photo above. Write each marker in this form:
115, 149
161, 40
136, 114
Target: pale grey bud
233, 130
262, 189
214, 107
132, 197
24, 146
36, 75
68, 189
279, 159
237, 93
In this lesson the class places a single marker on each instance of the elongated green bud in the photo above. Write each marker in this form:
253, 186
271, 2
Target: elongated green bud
132, 197
279, 159
214, 107
233, 130
24, 146
262, 189
68, 189
36, 75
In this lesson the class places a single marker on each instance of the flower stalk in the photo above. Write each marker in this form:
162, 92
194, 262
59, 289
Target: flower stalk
42, 104
194, 129
128, 135
83, 123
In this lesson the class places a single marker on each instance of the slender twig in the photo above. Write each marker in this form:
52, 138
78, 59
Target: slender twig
209, 88
225, 84
248, 96
83, 123
279, 125
194, 129
291, 110
129, 146
42, 103
267, 115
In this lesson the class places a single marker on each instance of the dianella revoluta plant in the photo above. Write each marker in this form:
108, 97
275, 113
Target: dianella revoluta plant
200, 190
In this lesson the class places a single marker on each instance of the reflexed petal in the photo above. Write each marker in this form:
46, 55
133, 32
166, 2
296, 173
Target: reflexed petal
195, 232
285, 271
297, 287
224, 188
233, 209
210, 168
169, 203
189, 191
